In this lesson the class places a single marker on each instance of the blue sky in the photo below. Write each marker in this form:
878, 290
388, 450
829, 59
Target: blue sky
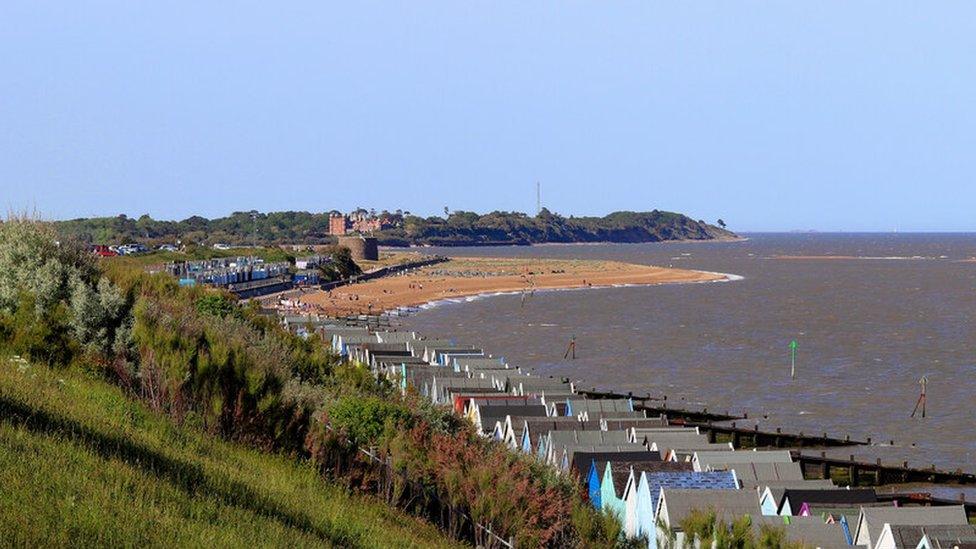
772, 115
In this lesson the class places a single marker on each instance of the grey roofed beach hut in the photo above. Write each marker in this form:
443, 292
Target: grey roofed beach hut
363, 352
442, 385
471, 364
431, 352
447, 357
554, 441
761, 471
417, 346
771, 492
486, 416
794, 498
393, 365
524, 385
581, 461
505, 381
396, 337
531, 430
872, 520
687, 453
705, 460
342, 341
929, 537
506, 400
511, 430
647, 423
599, 416
809, 533
577, 406
485, 373
563, 458
332, 336
674, 505
663, 440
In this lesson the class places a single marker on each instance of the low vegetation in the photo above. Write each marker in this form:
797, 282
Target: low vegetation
224, 371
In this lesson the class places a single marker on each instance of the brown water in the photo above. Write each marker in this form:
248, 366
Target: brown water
867, 328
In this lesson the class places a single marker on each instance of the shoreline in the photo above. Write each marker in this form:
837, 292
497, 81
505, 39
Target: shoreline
486, 295
464, 279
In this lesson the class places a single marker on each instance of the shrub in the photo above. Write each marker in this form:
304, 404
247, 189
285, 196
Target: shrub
364, 418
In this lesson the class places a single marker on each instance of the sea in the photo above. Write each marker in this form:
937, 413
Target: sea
886, 311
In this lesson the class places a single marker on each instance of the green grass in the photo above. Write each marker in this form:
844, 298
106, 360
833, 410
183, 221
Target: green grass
83, 465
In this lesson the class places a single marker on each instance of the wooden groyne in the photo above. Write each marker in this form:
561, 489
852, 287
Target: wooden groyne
741, 437
861, 473
926, 499
716, 426
657, 406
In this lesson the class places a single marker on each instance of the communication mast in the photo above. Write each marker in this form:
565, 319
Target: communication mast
538, 198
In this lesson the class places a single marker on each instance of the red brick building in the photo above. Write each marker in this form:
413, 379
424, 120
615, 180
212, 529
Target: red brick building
337, 224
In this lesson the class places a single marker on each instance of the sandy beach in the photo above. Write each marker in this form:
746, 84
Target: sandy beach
461, 277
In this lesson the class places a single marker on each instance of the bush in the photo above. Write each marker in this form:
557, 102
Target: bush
364, 418
217, 304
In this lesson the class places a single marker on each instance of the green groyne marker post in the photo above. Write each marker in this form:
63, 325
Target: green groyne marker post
793, 359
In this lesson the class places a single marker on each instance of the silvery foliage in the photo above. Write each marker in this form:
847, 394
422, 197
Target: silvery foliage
30, 262
33, 262
100, 318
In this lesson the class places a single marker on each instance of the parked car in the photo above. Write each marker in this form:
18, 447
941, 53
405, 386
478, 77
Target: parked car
101, 250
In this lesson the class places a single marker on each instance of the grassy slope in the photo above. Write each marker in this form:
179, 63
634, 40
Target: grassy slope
81, 465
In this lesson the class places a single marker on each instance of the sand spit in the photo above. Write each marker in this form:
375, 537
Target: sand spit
461, 278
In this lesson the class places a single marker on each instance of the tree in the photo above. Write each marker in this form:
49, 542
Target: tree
447, 212
721, 223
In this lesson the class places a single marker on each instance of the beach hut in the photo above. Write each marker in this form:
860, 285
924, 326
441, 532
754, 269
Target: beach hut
771, 492
675, 504
563, 461
802, 531
447, 357
485, 416
442, 385
641, 496
688, 453
343, 340
600, 416
643, 423
615, 479
751, 465
532, 385
872, 520
663, 440
580, 460
938, 537
534, 430
472, 364
577, 407
844, 515
551, 446
396, 337
795, 498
